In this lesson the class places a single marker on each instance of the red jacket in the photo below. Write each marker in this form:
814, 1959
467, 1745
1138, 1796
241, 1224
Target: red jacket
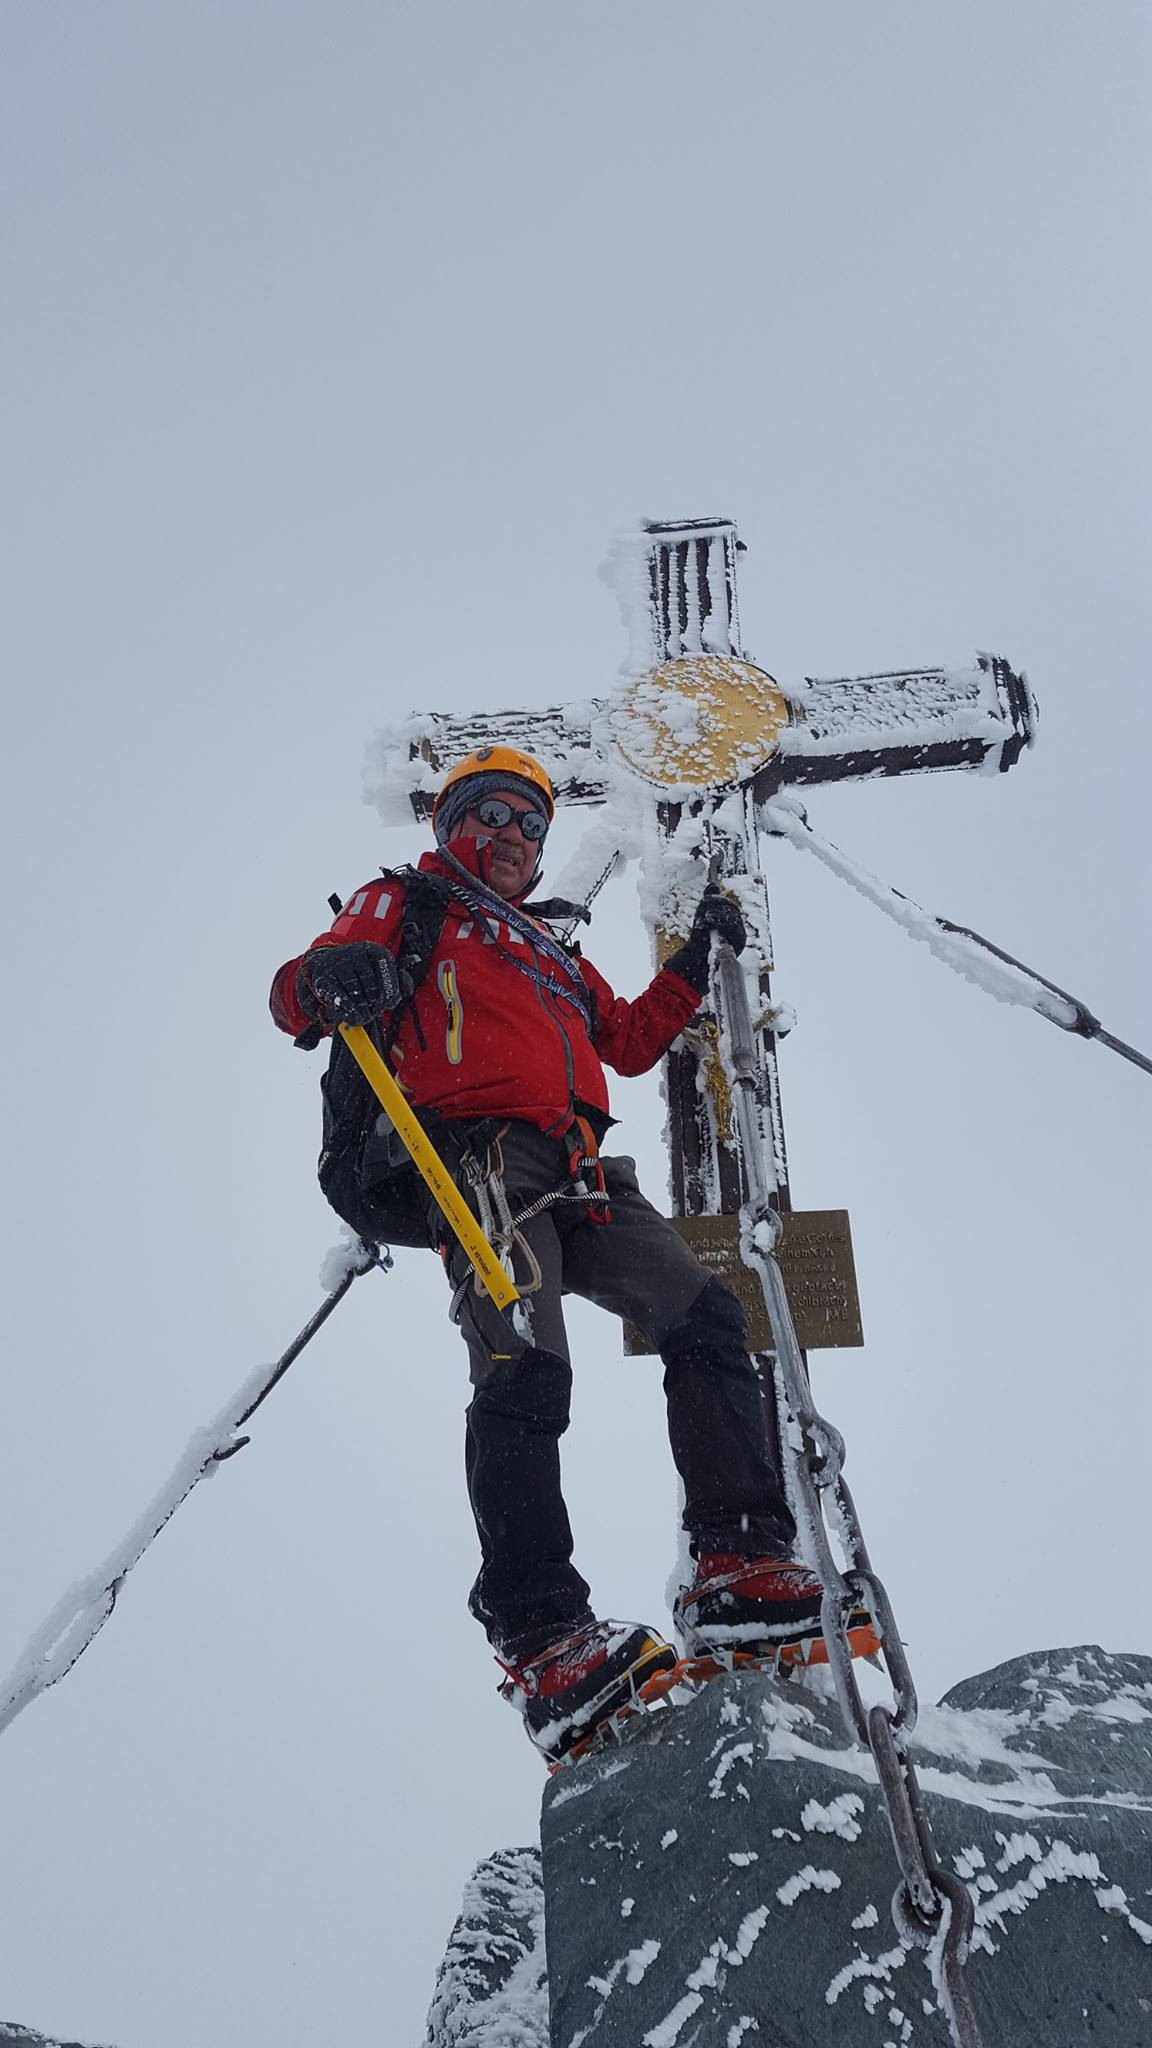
495, 1042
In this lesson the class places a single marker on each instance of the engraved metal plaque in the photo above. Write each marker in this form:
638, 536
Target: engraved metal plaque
815, 1257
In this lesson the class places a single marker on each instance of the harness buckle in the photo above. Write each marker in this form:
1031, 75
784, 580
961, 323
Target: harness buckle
583, 1159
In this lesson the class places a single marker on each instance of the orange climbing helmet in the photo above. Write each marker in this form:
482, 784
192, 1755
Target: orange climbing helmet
491, 768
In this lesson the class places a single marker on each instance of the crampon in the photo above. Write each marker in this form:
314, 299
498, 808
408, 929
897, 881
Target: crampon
688, 1674
582, 1681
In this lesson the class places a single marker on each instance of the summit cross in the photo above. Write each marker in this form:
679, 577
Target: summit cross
702, 741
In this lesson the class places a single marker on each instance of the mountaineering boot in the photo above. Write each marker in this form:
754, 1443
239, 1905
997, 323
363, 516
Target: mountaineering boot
762, 1607
567, 1690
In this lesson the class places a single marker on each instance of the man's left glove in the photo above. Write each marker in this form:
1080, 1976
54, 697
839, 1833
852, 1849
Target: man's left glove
715, 912
350, 984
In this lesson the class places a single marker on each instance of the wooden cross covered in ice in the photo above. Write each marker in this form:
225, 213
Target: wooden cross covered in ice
699, 739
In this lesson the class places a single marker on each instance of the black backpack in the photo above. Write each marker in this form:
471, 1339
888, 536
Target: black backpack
364, 1167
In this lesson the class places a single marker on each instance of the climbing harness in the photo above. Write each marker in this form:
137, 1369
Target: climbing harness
931, 1908
584, 1159
80, 1614
586, 1197
483, 1173
485, 1178
967, 952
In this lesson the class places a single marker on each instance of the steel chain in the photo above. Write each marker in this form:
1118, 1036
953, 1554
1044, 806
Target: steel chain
930, 1908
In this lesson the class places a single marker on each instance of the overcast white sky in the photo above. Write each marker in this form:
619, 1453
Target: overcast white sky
336, 342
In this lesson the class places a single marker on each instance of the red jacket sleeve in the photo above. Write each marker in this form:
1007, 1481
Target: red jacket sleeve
631, 1037
374, 913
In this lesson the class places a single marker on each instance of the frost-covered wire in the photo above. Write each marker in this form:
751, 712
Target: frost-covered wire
966, 952
81, 1612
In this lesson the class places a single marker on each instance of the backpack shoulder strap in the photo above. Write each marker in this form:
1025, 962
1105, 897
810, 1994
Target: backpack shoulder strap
426, 901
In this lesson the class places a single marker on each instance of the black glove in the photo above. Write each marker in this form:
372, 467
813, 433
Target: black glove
349, 984
715, 912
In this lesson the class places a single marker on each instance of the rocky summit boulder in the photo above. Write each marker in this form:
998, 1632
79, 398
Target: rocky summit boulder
724, 1874
491, 1990
12, 2036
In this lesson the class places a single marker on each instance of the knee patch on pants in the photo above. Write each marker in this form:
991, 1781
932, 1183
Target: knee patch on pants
535, 1390
715, 1319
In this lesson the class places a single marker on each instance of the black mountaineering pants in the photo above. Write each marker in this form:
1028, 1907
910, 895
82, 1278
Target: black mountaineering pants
529, 1593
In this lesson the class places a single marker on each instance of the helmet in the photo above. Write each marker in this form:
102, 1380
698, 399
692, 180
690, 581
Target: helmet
503, 764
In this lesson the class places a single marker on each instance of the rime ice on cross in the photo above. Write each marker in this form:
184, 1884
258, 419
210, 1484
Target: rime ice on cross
706, 738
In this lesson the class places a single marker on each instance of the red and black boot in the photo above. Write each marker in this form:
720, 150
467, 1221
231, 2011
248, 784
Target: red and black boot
766, 1608
569, 1689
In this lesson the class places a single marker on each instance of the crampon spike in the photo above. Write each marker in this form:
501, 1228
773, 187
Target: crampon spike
689, 1674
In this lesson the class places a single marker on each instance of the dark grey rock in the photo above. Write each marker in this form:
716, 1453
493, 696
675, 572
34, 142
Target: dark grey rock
491, 1990
12, 2036
1089, 1711
724, 1875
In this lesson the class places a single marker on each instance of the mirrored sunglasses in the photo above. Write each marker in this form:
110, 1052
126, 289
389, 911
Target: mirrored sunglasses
493, 811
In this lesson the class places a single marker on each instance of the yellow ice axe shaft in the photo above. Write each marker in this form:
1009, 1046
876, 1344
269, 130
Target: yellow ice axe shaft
429, 1164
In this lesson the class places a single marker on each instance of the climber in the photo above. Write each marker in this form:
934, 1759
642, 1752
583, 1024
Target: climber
499, 1035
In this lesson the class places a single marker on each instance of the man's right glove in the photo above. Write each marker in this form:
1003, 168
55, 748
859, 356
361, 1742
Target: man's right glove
349, 984
715, 912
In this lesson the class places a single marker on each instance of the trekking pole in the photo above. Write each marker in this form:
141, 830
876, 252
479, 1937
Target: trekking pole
430, 1166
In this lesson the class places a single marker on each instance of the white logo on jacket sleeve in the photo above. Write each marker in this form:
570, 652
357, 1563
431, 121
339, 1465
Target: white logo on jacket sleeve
380, 907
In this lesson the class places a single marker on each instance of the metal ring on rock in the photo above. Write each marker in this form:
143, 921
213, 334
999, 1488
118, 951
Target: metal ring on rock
892, 1770
909, 1923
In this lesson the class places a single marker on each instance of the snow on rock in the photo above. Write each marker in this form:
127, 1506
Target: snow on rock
12, 2036
491, 1990
837, 1818
1038, 1783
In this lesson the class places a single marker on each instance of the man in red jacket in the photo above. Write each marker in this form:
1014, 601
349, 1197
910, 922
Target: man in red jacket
502, 1045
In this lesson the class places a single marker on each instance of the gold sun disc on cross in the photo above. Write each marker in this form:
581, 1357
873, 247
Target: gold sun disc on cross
701, 721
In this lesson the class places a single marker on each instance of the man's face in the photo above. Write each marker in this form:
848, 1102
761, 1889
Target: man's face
511, 858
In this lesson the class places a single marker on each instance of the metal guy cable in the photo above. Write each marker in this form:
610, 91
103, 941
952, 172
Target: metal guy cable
786, 819
78, 1617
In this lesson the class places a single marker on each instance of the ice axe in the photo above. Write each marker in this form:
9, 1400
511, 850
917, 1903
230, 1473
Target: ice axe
430, 1167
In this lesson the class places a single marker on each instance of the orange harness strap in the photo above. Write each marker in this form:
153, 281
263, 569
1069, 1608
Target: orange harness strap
584, 1158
